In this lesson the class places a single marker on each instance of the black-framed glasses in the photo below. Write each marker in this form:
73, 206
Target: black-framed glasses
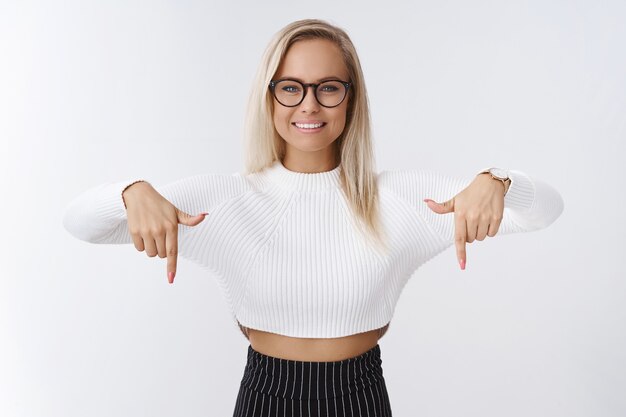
290, 93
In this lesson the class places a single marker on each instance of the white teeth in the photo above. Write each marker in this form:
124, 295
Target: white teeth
308, 126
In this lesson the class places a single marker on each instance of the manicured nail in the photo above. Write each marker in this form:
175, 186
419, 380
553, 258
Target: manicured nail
170, 277
462, 263
205, 214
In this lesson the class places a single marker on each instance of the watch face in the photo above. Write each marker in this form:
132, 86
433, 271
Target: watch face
500, 173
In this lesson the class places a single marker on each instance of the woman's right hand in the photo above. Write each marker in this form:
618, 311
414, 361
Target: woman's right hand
153, 223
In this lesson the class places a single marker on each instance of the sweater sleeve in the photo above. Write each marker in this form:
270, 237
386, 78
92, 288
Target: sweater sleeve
529, 204
98, 215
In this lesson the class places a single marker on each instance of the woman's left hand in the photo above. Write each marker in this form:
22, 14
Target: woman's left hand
478, 211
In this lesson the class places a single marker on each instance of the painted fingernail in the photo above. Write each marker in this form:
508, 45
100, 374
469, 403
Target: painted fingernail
462, 263
170, 277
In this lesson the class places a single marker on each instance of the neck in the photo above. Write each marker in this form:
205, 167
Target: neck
310, 162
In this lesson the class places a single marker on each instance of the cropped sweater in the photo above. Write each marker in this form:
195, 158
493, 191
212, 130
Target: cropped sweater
285, 249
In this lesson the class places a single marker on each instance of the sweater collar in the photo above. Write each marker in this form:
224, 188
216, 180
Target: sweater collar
278, 174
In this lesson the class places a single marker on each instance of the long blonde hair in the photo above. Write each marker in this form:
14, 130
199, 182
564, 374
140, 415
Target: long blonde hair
263, 144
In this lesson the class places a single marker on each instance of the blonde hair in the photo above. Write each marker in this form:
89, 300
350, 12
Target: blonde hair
263, 144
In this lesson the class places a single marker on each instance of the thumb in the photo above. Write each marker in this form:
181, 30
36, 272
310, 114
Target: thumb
189, 220
441, 208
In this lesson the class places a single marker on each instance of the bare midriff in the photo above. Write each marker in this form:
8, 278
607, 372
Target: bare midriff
312, 349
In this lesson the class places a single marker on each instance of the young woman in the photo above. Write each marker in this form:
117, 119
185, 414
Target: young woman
311, 247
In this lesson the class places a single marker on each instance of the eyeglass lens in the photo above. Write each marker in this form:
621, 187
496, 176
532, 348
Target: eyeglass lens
290, 93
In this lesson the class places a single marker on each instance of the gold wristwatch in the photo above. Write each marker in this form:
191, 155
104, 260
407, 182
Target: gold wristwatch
500, 175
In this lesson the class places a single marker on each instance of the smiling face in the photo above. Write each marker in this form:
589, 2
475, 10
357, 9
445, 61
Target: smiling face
311, 150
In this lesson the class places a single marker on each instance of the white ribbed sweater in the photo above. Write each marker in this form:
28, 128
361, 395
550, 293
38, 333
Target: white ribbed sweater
285, 252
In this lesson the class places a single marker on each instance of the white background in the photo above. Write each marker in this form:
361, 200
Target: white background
92, 92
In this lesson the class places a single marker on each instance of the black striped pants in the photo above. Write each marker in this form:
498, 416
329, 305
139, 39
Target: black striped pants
275, 387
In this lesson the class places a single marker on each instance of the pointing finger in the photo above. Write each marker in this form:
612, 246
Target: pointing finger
460, 236
171, 243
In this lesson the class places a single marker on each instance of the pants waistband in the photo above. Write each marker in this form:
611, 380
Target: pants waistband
301, 380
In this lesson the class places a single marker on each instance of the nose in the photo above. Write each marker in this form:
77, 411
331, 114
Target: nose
310, 102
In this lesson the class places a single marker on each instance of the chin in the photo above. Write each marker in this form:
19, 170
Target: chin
308, 145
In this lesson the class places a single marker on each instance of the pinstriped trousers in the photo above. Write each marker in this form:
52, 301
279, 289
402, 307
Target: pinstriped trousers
276, 387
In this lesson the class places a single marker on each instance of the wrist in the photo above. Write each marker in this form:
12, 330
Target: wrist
498, 174
133, 185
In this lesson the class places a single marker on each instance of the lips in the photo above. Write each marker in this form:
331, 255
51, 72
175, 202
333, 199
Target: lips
309, 125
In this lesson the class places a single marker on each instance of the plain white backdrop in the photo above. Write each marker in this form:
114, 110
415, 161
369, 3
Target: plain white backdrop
92, 92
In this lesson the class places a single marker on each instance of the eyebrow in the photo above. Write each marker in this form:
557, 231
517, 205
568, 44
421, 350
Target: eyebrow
332, 77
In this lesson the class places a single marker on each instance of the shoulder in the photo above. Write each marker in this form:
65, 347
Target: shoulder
391, 177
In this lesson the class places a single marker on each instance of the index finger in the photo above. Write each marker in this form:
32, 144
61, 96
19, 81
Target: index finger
171, 246
460, 237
